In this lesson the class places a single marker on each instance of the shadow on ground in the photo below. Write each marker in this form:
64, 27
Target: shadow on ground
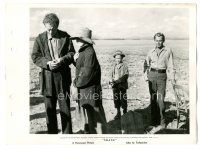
133, 122
45, 132
170, 112
43, 114
136, 122
40, 115
172, 131
36, 100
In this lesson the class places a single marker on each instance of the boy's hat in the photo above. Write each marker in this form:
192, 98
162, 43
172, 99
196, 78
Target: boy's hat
85, 34
118, 52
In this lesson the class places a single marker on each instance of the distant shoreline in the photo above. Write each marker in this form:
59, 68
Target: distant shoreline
33, 38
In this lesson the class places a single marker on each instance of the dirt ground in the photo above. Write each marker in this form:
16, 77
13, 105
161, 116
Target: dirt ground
138, 94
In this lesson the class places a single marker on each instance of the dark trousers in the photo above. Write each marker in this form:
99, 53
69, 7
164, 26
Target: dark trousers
157, 87
51, 114
94, 116
120, 98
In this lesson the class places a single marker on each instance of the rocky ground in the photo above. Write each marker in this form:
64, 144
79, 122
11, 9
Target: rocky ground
138, 95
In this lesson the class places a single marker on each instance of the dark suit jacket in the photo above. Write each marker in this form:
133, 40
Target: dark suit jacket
61, 77
88, 77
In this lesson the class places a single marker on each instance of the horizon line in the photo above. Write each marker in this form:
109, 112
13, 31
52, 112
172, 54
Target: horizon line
136, 38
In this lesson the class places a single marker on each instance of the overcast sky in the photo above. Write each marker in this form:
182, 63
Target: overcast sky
116, 22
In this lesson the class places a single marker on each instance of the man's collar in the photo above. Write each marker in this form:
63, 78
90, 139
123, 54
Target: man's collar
49, 36
119, 65
163, 48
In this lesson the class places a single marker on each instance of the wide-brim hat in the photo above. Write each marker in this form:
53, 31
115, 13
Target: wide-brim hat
85, 35
119, 53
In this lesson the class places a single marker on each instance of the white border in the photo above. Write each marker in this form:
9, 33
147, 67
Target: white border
18, 53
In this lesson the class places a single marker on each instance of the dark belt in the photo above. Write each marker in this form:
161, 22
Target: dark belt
159, 70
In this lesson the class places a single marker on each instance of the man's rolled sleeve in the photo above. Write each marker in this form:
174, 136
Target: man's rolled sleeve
147, 63
170, 68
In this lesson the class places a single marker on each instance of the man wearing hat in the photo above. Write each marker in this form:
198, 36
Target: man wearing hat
119, 83
88, 80
158, 63
53, 52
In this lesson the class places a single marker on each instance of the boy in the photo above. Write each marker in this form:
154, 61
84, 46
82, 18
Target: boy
119, 83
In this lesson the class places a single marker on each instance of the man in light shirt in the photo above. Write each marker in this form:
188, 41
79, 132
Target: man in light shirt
157, 67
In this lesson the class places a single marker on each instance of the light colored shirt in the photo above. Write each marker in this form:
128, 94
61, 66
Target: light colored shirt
54, 45
120, 75
161, 59
119, 71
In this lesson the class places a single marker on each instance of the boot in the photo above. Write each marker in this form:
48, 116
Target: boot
86, 129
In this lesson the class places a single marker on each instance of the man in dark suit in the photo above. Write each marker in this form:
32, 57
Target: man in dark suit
53, 52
